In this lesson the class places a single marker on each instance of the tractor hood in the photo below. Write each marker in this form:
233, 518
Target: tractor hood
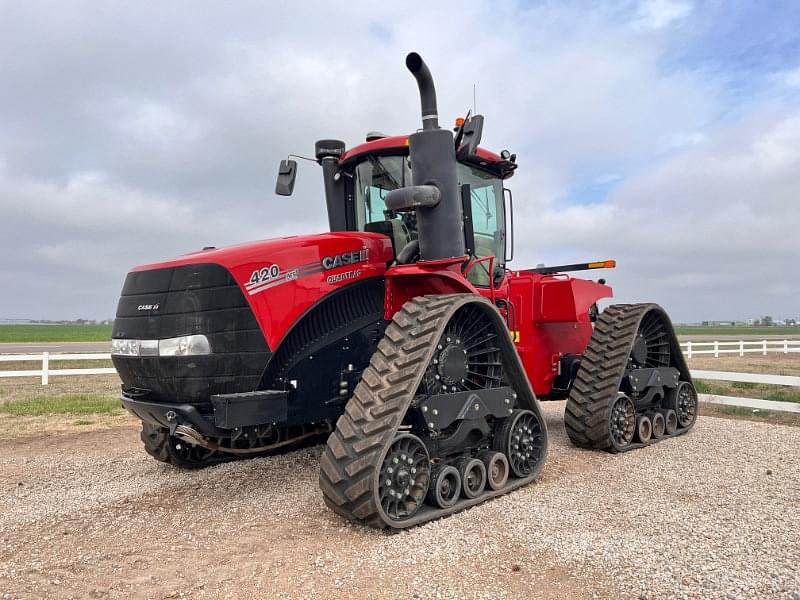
279, 279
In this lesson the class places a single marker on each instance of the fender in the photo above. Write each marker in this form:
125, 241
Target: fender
405, 282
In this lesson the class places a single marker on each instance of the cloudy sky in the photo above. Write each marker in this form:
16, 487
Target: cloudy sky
662, 133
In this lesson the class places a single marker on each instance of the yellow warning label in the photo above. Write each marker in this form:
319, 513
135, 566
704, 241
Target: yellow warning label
514, 336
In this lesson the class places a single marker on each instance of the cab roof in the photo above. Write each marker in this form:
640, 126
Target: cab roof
388, 145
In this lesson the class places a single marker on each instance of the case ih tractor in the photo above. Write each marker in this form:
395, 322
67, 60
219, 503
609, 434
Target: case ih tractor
401, 333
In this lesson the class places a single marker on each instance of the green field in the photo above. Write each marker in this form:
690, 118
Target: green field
743, 331
65, 404
54, 333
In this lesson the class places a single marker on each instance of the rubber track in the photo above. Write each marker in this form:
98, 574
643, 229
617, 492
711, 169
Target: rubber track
156, 444
602, 368
355, 449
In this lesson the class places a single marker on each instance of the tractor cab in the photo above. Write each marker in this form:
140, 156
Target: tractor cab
358, 184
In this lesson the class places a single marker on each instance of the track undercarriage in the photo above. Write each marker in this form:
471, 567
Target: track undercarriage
633, 387
443, 419
186, 449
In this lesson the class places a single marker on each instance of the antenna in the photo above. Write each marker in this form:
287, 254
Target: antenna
474, 109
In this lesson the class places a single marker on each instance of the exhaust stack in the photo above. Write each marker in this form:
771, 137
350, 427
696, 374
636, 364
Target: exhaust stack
427, 91
440, 225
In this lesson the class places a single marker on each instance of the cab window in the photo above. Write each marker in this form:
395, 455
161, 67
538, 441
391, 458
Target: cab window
374, 179
488, 220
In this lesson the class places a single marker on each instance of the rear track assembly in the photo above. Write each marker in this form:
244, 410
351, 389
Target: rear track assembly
389, 464
633, 387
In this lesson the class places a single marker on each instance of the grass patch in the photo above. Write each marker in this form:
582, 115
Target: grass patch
743, 411
702, 387
743, 385
65, 404
762, 391
55, 333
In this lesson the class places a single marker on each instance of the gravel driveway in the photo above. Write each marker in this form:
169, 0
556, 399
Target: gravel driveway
712, 514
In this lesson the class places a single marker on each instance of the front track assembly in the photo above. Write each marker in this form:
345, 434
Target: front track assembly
443, 418
633, 387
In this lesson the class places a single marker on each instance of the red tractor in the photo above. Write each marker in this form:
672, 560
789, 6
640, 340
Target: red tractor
402, 334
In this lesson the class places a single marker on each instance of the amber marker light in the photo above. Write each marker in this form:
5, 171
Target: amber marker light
603, 264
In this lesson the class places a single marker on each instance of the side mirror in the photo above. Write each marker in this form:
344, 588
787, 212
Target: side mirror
287, 173
469, 137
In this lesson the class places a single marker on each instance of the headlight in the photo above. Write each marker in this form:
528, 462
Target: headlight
185, 345
125, 347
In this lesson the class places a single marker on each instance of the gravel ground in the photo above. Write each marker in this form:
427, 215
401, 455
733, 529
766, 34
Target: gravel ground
708, 515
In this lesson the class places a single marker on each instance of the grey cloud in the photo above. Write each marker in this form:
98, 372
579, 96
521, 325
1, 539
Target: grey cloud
130, 134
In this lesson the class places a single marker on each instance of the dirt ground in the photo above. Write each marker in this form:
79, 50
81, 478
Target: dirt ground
774, 364
700, 516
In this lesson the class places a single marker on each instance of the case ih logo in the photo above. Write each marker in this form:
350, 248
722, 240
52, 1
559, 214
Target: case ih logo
147, 307
345, 259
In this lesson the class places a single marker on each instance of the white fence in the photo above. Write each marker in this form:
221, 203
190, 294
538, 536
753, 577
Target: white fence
741, 347
46, 371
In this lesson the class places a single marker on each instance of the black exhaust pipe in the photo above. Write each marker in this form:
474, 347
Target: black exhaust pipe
440, 227
427, 91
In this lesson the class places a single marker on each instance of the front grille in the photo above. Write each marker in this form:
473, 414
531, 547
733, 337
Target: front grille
191, 299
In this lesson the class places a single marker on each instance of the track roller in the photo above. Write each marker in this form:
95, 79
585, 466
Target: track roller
658, 425
473, 477
670, 422
445, 487
497, 469
644, 429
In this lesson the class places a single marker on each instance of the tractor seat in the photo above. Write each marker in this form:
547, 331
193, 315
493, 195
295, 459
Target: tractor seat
395, 229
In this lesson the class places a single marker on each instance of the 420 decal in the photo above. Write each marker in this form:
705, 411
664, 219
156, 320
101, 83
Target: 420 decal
267, 277
265, 274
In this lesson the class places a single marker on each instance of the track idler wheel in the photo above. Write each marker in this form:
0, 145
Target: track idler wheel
644, 429
685, 404
497, 469
622, 422
473, 477
520, 439
404, 477
670, 422
659, 425
445, 487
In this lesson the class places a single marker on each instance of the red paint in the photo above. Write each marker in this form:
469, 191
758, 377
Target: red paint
550, 312
390, 145
278, 308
